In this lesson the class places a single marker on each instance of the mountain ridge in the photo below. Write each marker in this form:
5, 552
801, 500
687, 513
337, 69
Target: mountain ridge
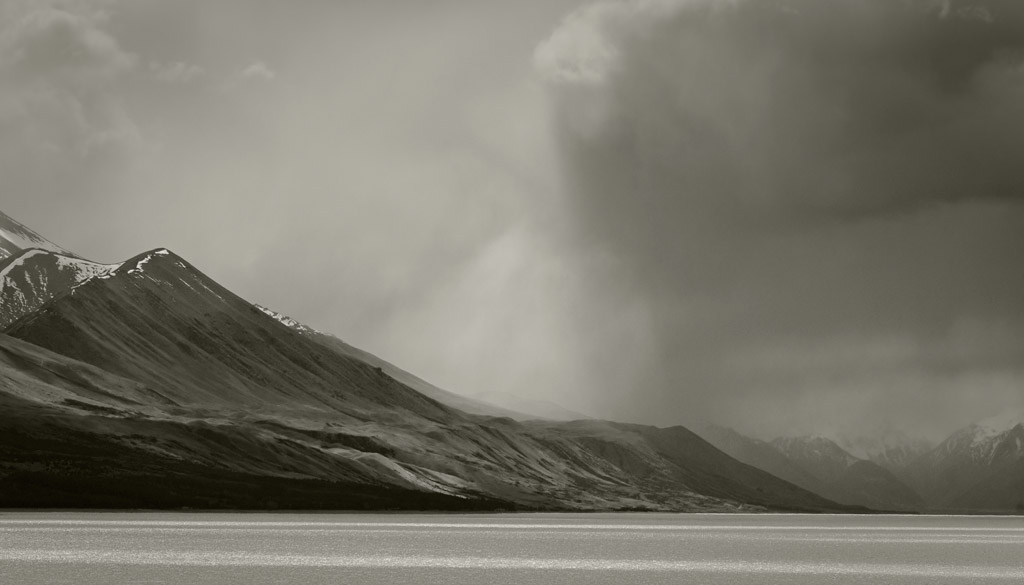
464, 403
155, 357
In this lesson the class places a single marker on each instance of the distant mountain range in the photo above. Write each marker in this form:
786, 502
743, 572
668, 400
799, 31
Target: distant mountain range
891, 449
977, 469
819, 465
845, 477
147, 384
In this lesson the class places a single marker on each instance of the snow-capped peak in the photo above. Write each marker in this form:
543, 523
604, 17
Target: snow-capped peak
984, 440
137, 267
995, 426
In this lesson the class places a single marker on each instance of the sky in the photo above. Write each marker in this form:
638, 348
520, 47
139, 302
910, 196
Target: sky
786, 216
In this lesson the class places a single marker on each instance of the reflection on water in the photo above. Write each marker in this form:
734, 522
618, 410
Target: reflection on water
225, 549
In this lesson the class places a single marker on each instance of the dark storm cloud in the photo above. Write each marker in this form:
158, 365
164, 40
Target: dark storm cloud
818, 200
796, 108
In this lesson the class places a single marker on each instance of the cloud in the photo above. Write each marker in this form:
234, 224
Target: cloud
258, 70
176, 72
799, 107
58, 67
813, 188
48, 42
738, 243
256, 73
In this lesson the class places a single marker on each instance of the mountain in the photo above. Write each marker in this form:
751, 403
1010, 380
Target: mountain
150, 385
530, 408
73, 435
33, 270
760, 454
158, 320
30, 278
16, 238
452, 399
979, 467
894, 450
820, 457
846, 478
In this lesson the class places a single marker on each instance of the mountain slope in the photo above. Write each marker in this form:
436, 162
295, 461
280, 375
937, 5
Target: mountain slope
761, 455
47, 398
149, 373
452, 399
980, 467
847, 479
30, 278
531, 408
158, 320
83, 455
705, 466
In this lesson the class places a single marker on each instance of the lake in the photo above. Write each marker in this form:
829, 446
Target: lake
251, 549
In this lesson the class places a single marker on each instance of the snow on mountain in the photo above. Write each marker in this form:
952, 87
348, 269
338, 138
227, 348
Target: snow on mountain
286, 320
31, 278
983, 440
979, 467
15, 263
15, 237
34, 270
993, 427
138, 264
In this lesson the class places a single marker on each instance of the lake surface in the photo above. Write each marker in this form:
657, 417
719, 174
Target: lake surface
251, 549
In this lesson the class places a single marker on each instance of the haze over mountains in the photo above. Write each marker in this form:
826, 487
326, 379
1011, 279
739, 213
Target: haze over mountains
979, 468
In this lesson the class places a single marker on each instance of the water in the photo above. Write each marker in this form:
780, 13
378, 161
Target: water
252, 549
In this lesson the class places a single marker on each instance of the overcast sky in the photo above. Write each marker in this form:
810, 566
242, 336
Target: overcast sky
782, 215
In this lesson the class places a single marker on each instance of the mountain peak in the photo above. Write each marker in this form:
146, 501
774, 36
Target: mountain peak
997, 425
982, 440
978, 466
135, 265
